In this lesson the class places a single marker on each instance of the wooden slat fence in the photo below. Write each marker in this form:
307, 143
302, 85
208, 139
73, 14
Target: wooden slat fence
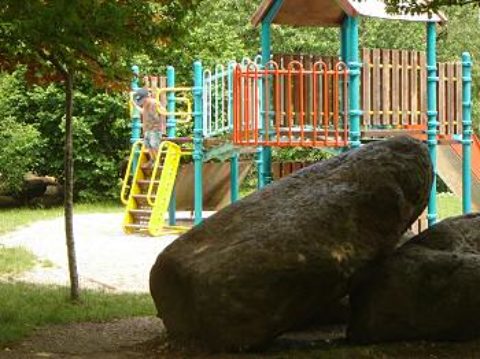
394, 89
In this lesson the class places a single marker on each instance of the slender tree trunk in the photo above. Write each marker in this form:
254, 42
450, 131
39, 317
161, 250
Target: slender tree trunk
68, 205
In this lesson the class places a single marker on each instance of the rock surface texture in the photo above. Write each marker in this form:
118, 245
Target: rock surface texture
280, 256
428, 289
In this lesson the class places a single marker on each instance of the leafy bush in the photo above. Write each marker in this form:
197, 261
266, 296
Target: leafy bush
301, 154
20, 144
101, 138
33, 135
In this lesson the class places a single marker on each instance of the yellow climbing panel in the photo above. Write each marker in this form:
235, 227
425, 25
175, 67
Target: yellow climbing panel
150, 189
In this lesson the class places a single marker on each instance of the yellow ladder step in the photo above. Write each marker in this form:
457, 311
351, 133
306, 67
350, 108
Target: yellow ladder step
143, 196
144, 212
146, 182
140, 227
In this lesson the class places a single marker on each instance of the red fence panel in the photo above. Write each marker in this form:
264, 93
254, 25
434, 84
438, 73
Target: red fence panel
291, 105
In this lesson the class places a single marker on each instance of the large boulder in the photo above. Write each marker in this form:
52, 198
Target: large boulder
285, 254
428, 289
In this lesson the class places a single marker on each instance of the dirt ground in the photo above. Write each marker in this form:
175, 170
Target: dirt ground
145, 337
142, 337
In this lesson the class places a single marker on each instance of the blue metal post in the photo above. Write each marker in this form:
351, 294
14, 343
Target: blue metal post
234, 188
267, 150
432, 117
198, 138
171, 121
136, 123
171, 132
264, 158
467, 133
234, 184
354, 77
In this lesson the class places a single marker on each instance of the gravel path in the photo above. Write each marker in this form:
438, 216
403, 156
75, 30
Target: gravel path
107, 258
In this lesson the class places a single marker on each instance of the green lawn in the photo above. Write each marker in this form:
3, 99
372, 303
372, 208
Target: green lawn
25, 307
11, 219
14, 260
448, 205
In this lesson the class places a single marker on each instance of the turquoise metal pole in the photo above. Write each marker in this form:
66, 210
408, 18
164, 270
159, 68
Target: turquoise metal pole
136, 123
234, 184
354, 77
171, 121
267, 150
171, 132
234, 188
432, 117
467, 133
198, 138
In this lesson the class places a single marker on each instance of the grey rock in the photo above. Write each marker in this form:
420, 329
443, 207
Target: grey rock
428, 289
280, 256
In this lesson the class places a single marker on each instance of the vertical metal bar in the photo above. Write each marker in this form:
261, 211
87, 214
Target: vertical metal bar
206, 132
354, 90
171, 129
266, 156
467, 132
136, 123
231, 68
234, 188
171, 122
234, 184
198, 139
432, 117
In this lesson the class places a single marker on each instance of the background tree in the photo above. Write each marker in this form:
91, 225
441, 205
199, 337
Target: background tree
63, 40
420, 6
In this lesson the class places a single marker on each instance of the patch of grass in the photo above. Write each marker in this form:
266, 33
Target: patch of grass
448, 205
46, 263
11, 219
25, 307
14, 260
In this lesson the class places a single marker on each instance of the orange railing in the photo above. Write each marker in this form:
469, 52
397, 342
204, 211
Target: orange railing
292, 105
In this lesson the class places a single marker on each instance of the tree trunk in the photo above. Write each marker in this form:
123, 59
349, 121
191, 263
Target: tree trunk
68, 205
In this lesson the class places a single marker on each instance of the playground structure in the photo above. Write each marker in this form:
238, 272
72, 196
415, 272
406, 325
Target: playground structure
307, 101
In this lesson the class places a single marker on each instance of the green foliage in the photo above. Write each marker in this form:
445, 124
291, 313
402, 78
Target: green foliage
420, 6
301, 154
26, 307
33, 130
89, 42
382, 34
460, 34
19, 144
91, 37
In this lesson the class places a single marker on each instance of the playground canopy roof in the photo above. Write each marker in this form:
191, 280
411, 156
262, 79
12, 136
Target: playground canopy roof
332, 12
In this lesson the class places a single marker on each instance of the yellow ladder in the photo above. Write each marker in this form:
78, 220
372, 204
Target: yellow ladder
150, 190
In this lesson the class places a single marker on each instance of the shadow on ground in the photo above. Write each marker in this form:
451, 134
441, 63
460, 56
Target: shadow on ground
145, 337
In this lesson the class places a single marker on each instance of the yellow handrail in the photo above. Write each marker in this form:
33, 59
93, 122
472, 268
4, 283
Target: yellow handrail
133, 152
164, 112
